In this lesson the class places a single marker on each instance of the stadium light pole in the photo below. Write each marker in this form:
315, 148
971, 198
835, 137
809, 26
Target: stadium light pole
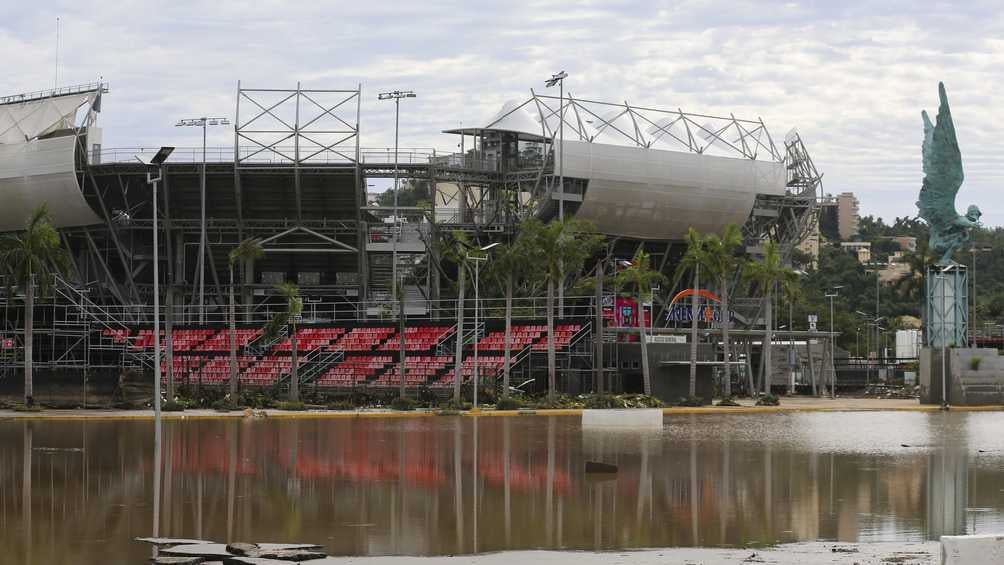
833, 369
157, 161
396, 96
559, 79
203, 123
477, 259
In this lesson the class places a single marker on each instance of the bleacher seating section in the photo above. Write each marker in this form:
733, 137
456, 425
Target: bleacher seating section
200, 354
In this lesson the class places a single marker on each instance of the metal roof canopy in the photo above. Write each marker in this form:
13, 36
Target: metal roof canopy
539, 117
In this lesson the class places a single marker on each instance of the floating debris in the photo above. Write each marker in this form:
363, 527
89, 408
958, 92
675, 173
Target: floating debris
597, 467
194, 552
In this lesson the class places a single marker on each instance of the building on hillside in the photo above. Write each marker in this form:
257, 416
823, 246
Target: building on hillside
895, 269
861, 249
907, 243
810, 245
847, 215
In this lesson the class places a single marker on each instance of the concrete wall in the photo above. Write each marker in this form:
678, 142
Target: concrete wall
67, 388
966, 386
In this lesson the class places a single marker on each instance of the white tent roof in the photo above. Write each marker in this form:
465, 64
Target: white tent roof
20, 122
514, 117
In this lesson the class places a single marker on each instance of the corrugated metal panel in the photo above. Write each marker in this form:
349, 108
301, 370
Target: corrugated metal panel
656, 194
41, 171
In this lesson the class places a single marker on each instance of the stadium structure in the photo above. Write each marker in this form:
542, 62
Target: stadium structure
295, 180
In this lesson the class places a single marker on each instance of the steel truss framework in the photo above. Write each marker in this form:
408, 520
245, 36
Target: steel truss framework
591, 120
319, 124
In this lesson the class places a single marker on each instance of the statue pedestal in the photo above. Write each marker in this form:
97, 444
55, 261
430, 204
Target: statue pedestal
947, 308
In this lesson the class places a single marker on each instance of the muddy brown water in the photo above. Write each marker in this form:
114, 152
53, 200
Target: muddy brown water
79, 492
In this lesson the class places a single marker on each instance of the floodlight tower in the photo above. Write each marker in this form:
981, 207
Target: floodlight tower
396, 96
203, 123
559, 79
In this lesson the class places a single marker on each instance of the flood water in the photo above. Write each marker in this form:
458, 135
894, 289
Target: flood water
78, 492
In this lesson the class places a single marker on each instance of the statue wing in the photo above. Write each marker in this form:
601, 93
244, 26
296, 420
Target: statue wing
942, 167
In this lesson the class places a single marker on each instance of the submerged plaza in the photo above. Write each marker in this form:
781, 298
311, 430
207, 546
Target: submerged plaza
330, 319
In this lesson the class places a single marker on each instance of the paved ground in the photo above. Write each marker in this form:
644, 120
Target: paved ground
794, 554
787, 404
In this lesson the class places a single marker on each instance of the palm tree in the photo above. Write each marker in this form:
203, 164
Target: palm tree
766, 275
247, 250
507, 264
641, 277
28, 257
555, 250
454, 249
693, 259
292, 308
722, 264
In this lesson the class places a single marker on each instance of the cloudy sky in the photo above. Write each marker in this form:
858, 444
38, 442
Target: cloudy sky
851, 76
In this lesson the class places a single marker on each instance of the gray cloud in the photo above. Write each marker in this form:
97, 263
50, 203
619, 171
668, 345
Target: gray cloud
851, 76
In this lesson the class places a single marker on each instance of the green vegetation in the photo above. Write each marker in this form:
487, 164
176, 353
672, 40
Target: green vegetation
292, 307
293, 405
224, 405
508, 403
691, 402
247, 251
728, 401
172, 406
641, 277
403, 403
413, 193
768, 400
30, 259
900, 302
974, 363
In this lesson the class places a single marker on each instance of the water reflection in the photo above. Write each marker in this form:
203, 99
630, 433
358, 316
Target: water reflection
460, 485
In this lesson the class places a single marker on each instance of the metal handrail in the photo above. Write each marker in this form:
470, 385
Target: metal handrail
253, 154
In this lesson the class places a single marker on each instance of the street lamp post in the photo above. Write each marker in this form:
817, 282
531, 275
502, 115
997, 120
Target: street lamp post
833, 369
157, 161
203, 123
396, 96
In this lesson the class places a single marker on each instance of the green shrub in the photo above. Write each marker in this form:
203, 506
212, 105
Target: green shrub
224, 405
560, 401
172, 406
728, 401
768, 400
341, 405
454, 406
974, 363
447, 412
403, 403
26, 408
509, 403
291, 405
256, 399
600, 401
691, 402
